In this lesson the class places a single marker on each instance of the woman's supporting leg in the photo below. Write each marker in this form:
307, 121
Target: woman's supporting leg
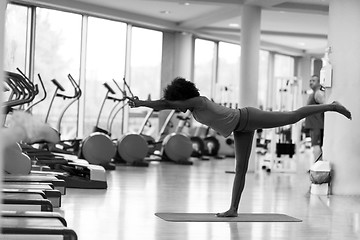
243, 145
266, 119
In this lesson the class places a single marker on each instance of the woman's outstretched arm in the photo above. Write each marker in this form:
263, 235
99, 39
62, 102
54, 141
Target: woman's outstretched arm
163, 104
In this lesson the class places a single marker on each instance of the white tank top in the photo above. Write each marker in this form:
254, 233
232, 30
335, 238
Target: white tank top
221, 119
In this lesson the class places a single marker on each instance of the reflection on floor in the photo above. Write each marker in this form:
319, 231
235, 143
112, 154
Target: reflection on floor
126, 209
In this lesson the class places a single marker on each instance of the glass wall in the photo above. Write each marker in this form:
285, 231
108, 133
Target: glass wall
58, 42
263, 77
15, 37
146, 52
60, 38
57, 54
227, 86
284, 66
15, 42
204, 66
226, 57
105, 62
284, 82
145, 74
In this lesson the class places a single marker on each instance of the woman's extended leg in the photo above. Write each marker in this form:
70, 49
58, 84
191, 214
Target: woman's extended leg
243, 143
266, 119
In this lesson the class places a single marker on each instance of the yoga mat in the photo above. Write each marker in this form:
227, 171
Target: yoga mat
242, 217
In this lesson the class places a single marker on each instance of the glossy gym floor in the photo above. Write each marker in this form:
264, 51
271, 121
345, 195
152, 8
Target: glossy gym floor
126, 209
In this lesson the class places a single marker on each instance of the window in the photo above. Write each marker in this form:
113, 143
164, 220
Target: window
263, 77
284, 66
15, 37
146, 53
106, 42
15, 41
204, 66
284, 82
227, 86
57, 54
145, 73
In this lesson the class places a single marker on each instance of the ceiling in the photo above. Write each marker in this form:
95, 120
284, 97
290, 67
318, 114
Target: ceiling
295, 27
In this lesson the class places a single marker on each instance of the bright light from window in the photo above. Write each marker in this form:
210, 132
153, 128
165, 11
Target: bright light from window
203, 66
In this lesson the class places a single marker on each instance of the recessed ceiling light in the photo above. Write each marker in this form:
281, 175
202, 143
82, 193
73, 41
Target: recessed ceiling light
301, 43
165, 12
185, 3
234, 25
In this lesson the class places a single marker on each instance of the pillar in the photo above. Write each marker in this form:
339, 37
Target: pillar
177, 60
341, 137
177, 57
250, 47
249, 63
184, 55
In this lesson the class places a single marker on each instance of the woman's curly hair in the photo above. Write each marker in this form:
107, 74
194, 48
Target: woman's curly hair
180, 89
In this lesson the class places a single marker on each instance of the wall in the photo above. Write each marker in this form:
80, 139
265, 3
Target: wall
341, 137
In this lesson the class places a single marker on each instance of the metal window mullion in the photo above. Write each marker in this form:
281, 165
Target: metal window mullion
30, 44
82, 77
127, 76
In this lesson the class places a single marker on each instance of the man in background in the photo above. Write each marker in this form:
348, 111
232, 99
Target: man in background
315, 123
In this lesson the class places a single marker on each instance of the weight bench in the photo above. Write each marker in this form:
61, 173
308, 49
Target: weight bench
31, 226
26, 202
59, 184
54, 196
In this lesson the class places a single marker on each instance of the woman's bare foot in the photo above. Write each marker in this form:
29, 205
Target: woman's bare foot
341, 109
35, 130
229, 213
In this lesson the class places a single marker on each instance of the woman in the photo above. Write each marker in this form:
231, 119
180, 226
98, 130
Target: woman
183, 95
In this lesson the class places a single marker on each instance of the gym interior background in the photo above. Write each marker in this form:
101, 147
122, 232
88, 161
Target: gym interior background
246, 52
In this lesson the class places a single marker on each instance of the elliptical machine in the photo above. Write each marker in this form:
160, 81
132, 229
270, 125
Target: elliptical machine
98, 148
79, 172
22, 92
175, 147
132, 149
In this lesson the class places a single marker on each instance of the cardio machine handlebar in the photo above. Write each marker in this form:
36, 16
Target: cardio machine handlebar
58, 85
109, 88
122, 91
40, 100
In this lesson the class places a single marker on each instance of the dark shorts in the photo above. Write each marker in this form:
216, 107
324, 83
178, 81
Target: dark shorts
243, 121
317, 136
